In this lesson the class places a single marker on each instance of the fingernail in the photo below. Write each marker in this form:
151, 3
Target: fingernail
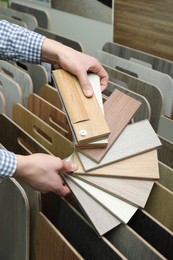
74, 166
89, 92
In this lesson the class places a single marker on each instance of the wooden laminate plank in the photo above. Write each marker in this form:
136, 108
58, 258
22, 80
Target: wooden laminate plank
42, 132
53, 116
165, 128
152, 93
11, 92
12, 20
143, 166
166, 176
136, 138
15, 222
51, 244
119, 109
119, 208
165, 153
160, 205
159, 79
102, 220
153, 232
2, 103
86, 125
133, 191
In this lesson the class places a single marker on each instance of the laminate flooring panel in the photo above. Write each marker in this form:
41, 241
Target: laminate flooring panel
102, 220
11, 92
119, 109
136, 138
153, 232
165, 128
152, 93
166, 176
53, 116
156, 62
20, 77
133, 191
51, 244
160, 205
122, 210
81, 235
13, 20
165, 153
15, 222
161, 80
144, 112
80, 109
42, 132
134, 167
131, 245
2, 103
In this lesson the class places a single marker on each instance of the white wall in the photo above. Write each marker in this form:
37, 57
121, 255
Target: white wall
90, 33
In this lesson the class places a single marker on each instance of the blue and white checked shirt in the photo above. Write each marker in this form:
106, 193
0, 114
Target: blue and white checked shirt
17, 43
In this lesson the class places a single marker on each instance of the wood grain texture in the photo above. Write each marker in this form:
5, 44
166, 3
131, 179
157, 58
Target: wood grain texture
132, 245
80, 109
135, 192
11, 92
153, 232
165, 153
51, 244
2, 103
51, 95
166, 176
152, 93
143, 166
53, 116
130, 143
155, 62
42, 132
122, 210
119, 109
146, 27
102, 220
144, 112
163, 81
20, 77
165, 128
14, 214
160, 205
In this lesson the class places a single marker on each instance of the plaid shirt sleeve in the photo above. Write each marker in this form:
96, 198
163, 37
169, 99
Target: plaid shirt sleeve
8, 164
18, 43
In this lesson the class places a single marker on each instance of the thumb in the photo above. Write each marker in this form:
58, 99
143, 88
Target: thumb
85, 85
69, 167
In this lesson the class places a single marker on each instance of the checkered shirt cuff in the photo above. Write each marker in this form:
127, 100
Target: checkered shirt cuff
8, 164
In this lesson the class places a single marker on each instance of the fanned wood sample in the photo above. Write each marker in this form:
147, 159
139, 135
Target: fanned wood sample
119, 109
160, 205
50, 114
133, 191
122, 210
102, 220
42, 132
51, 244
85, 116
136, 138
143, 166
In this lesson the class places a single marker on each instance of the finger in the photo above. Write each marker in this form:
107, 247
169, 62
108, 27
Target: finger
85, 84
63, 191
69, 167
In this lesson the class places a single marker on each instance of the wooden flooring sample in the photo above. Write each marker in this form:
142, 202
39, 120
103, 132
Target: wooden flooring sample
136, 138
102, 220
42, 132
119, 109
135, 192
85, 116
119, 208
166, 176
51, 244
2, 103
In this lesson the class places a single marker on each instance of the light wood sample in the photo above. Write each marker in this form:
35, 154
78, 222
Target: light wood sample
119, 109
51, 244
136, 138
42, 132
85, 116
133, 191
102, 220
122, 210
134, 167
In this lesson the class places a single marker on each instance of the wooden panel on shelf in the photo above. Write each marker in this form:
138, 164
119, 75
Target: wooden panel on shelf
80, 109
51, 95
12, 20
42, 132
166, 176
165, 153
165, 128
2, 103
119, 109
